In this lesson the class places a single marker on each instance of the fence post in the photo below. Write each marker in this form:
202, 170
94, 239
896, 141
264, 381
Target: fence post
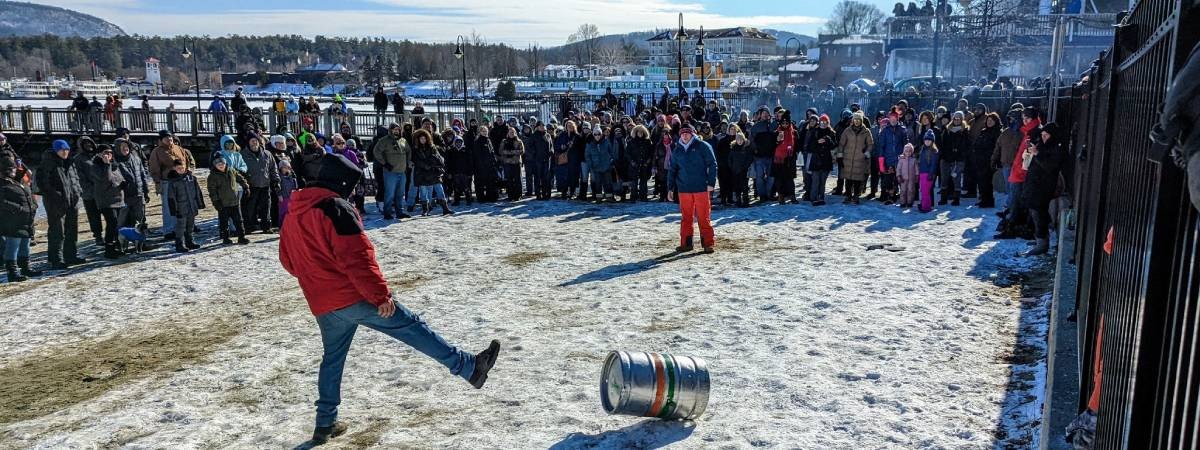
26, 117
47, 120
271, 121
196, 120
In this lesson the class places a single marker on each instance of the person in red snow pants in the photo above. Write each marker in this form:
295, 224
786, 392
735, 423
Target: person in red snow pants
693, 174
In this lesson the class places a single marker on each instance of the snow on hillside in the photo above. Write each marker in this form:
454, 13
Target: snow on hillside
816, 337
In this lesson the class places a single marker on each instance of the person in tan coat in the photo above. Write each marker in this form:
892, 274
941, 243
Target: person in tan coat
160, 164
854, 149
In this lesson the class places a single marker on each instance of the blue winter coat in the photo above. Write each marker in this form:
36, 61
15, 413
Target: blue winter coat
891, 144
693, 168
599, 155
232, 159
927, 161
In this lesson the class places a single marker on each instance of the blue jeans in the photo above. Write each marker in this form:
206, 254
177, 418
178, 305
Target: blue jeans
762, 177
1012, 190
436, 190
15, 248
337, 331
412, 194
393, 191
168, 220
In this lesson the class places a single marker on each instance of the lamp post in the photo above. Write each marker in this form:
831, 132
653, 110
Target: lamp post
940, 12
459, 52
700, 54
680, 37
786, 45
196, 70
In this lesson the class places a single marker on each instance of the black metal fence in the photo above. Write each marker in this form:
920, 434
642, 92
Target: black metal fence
1138, 240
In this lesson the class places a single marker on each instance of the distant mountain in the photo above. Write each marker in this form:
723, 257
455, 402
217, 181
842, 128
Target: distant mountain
28, 19
639, 38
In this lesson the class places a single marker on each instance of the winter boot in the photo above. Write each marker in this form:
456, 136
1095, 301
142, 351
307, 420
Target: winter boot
1042, 246
192, 245
684, 247
445, 207
74, 260
483, 364
424, 208
227, 241
242, 240
180, 247
23, 263
110, 251
708, 250
11, 268
322, 435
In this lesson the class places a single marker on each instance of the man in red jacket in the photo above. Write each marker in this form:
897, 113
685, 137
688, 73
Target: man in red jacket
323, 245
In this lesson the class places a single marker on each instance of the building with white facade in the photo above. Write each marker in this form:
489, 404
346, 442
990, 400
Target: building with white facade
719, 44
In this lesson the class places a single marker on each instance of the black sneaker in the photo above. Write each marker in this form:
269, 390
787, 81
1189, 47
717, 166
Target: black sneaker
483, 364
322, 435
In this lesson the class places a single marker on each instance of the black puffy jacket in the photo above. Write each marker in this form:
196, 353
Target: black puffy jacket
58, 183
17, 209
428, 165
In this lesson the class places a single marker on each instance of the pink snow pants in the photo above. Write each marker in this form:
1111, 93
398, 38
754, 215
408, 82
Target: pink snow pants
926, 193
908, 191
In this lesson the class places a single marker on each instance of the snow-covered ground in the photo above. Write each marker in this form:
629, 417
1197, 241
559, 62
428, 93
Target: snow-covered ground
816, 337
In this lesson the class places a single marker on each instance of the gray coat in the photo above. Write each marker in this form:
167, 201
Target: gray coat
107, 184
183, 195
260, 168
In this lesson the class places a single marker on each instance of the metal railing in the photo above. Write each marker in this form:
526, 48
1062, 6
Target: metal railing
1008, 26
1137, 242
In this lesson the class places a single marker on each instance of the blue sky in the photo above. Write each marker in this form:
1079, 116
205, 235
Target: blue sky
545, 22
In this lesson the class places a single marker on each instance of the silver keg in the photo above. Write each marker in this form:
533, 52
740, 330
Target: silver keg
654, 385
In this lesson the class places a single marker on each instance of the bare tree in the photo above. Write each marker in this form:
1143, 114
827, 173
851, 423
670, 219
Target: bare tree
610, 54
983, 28
587, 35
853, 17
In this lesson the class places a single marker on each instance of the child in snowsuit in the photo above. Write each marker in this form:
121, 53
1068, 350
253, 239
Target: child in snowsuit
287, 185
225, 188
907, 175
185, 202
927, 168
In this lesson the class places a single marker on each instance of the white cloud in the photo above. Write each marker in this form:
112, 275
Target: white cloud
546, 22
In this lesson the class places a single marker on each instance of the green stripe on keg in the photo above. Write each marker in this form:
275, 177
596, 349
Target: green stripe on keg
669, 404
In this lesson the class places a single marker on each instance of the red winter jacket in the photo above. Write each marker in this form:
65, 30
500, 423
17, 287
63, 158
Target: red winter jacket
323, 245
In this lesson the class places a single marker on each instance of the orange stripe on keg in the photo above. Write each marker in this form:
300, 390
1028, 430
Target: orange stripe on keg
660, 385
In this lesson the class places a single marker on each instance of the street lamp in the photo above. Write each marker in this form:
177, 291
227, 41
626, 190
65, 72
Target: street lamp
941, 14
680, 37
459, 52
786, 45
196, 70
700, 53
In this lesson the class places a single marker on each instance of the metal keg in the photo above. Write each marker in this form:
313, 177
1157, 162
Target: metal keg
654, 385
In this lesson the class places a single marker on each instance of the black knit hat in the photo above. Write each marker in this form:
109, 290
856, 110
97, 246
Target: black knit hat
333, 172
